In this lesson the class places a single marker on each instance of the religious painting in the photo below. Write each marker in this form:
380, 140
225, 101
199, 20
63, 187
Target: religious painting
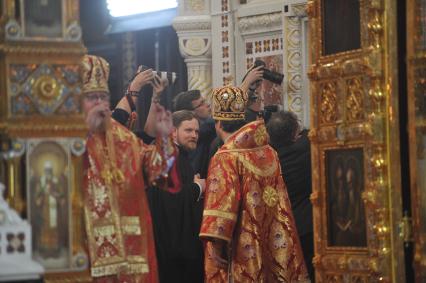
48, 163
42, 18
341, 26
345, 207
272, 92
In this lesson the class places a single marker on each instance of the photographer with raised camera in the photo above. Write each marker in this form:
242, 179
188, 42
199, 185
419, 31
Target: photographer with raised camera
251, 83
125, 111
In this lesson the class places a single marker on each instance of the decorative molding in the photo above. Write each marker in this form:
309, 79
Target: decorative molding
267, 22
70, 27
13, 29
296, 96
44, 89
194, 5
293, 53
192, 23
44, 128
195, 46
227, 43
200, 75
58, 49
299, 10
268, 48
295, 9
73, 32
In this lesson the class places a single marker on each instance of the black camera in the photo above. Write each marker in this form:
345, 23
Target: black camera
169, 76
269, 75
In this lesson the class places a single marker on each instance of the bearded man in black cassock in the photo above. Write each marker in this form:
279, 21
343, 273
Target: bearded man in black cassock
177, 212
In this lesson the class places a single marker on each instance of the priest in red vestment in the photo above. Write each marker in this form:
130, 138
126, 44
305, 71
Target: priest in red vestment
118, 167
248, 225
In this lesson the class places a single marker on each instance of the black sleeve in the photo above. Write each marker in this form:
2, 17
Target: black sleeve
147, 139
122, 116
193, 191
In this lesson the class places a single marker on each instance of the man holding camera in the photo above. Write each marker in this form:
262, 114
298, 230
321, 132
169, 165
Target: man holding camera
251, 83
176, 209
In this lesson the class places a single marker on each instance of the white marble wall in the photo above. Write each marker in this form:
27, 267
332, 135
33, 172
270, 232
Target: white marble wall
220, 39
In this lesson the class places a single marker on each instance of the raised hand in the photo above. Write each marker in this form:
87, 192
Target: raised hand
158, 85
253, 76
200, 182
141, 79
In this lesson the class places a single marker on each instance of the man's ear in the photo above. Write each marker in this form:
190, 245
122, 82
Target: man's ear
218, 128
174, 133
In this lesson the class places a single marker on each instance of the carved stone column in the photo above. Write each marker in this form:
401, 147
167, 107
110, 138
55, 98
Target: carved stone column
129, 57
296, 84
193, 27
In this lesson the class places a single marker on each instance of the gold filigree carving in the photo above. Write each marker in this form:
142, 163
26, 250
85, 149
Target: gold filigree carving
328, 104
377, 94
375, 28
354, 100
46, 87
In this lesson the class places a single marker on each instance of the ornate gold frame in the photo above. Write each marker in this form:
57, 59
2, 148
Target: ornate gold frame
416, 66
63, 53
14, 28
354, 103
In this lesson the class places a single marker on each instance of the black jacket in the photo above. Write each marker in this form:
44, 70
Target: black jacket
177, 216
295, 162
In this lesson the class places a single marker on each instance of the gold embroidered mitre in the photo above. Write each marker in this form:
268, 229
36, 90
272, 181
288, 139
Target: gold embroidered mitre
229, 103
94, 73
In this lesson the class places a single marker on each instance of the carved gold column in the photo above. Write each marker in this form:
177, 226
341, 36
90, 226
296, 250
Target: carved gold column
193, 27
14, 169
40, 113
354, 98
416, 88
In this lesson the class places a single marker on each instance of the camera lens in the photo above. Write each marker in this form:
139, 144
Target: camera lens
269, 75
169, 76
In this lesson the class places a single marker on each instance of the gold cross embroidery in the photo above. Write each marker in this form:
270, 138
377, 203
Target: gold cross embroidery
107, 176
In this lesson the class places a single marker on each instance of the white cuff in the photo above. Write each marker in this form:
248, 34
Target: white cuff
200, 196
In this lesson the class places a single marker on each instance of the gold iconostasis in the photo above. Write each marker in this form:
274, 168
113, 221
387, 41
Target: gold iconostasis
355, 93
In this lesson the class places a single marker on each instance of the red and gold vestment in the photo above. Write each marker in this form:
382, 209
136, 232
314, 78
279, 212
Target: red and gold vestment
117, 217
246, 205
